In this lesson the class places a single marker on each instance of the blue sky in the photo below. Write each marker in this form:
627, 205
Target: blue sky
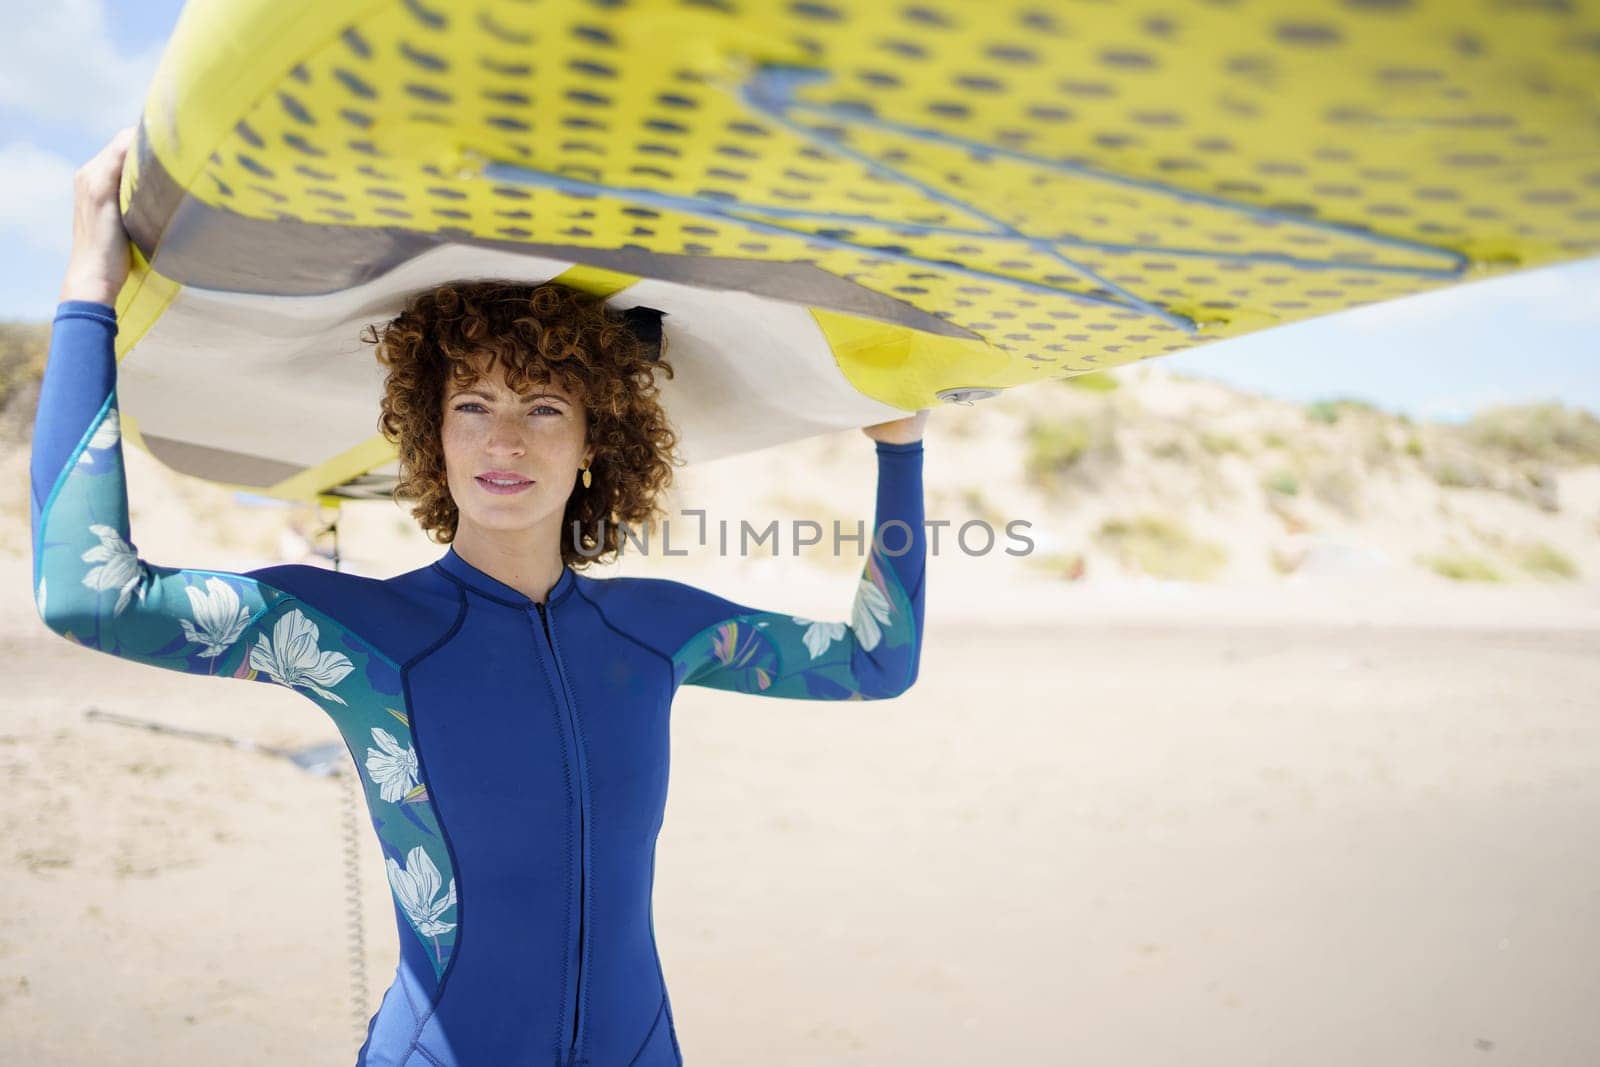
74, 72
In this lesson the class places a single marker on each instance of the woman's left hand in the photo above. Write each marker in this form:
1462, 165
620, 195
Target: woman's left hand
899, 431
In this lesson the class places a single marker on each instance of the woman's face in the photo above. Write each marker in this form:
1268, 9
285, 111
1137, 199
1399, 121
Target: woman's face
490, 432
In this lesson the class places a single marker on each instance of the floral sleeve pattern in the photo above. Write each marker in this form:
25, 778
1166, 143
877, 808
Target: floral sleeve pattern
91, 587
873, 656
773, 654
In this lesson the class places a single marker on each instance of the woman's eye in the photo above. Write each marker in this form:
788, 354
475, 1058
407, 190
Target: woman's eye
475, 404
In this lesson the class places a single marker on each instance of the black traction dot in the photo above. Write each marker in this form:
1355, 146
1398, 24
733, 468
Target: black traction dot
1096, 89
352, 82
253, 167
1548, 196
1128, 59
905, 49
1157, 118
434, 20
816, 12
356, 43
595, 35
1049, 113
980, 83
926, 16
502, 33
1308, 34
296, 109
505, 67
426, 60
1012, 53
428, 93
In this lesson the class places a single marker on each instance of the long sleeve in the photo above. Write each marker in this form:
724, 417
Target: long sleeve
873, 656
89, 583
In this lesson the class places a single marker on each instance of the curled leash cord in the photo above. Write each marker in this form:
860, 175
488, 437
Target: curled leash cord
351, 802
352, 908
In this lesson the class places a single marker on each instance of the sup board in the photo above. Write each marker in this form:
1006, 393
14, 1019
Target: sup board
847, 209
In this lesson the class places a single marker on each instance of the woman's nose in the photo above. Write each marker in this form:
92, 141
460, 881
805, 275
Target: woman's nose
505, 434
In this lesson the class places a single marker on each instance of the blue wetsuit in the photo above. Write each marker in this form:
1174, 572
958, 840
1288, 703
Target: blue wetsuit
513, 754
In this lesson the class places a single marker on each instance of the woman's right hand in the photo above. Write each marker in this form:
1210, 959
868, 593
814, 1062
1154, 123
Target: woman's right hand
100, 261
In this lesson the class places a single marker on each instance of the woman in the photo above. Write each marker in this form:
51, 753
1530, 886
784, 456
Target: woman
508, 715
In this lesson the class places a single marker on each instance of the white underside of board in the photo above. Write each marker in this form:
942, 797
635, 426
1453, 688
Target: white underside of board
288, 378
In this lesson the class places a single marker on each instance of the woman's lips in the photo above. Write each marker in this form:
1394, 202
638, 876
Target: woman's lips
502, 490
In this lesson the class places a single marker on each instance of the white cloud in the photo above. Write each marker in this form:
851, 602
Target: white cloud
61, 65
36, 199
1567, 293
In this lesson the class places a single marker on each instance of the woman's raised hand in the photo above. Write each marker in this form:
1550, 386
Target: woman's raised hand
100, 261
899, 431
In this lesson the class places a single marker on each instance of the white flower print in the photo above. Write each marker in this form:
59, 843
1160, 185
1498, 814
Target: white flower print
819, 635
220, 616
871, 608
394, 769
41, 598
416, 887
119, 566
107, 434
293, 658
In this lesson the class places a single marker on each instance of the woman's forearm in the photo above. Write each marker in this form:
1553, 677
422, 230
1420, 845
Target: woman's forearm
83, 285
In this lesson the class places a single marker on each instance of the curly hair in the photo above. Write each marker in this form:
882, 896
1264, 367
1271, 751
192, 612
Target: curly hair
538, 333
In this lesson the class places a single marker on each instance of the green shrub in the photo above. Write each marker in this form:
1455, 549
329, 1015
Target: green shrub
1272, 439
1328, 411
23, 347
1281, 481
1547, 561
1161, 548
1463, 568
1219, 444
1053, 446
1459, 472
1339, 489
1414, 446
1171, 448
1549, 432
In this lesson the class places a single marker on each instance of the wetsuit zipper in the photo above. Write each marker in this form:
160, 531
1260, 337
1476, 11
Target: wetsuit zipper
577, 1006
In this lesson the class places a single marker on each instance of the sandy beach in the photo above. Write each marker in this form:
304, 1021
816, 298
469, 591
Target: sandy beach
1250, 829
1340, 817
